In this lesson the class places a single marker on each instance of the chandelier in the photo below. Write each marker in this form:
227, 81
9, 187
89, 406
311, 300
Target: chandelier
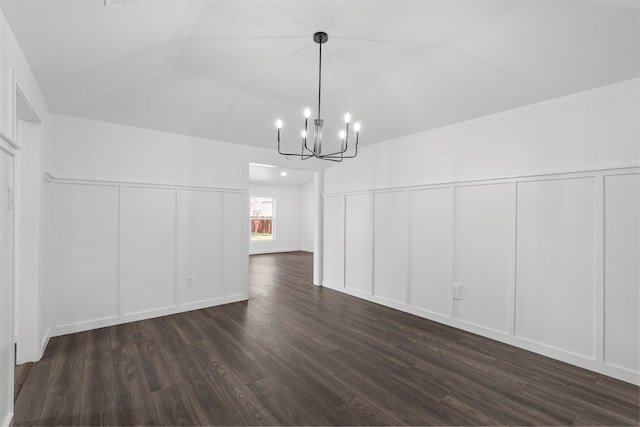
316, 150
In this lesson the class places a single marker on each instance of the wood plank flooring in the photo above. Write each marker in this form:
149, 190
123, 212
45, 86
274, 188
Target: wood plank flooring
297, 354
21, 374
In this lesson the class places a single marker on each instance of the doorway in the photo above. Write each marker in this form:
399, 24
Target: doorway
6, 282
28, 238
284, 211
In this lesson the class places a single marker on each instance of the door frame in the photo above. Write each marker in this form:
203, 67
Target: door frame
9, 147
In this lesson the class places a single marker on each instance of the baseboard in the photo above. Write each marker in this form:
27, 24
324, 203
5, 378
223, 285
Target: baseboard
275, 251
149, 314
6, 421
45, 341
539, 348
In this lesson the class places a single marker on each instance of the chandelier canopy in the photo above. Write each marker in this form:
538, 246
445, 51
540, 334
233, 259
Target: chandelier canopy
316, 150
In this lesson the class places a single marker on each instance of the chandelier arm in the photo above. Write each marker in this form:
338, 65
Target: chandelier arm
346, 147
333, 154
331, 159
287, 154
294, 154
351, 156
344, 150
342, 156
302, 157
306, 147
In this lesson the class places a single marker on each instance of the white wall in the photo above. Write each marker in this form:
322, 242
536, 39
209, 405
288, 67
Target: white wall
148, 223
45, 296
533, 211
153, 222
101, 151
308, 216
596, 129
16, 73
288, 212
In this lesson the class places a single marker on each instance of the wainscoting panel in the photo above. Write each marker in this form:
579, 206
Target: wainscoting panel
549, 263
622, 276
87, 253
359, 243
148, 249
482, 242
555, 266
390, 237
128, 251
333, 240
199, 246
235, 235
430, 249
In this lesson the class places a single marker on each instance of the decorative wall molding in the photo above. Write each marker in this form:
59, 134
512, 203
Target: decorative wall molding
259, 251
480, 181
9, 141
593, 359
230, 286
63, 180
148, 314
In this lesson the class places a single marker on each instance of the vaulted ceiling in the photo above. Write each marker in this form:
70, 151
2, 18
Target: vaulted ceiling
227, 69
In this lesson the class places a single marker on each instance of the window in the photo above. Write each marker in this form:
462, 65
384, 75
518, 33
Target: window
262, 218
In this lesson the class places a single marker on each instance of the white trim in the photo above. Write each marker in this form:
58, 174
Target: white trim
344, 241
145, 184
598, 274
26, 100
318, 228
13, 115
595, 361
45, 341
9, 417
452, 260
276, 250
120, 246
9, 141
176, 248
545, 350
147, 314
513, 248
495, 180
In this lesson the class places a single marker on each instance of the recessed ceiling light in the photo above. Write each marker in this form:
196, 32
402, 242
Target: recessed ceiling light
262, 164
283, 174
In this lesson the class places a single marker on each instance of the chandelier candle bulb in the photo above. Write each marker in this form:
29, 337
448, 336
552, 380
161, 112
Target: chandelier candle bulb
305, 152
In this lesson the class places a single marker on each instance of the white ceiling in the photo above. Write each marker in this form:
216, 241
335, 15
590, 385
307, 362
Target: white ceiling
272, 175
227, 69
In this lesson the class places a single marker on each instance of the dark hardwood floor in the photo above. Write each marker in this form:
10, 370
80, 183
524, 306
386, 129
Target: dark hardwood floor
21, 374
297, 354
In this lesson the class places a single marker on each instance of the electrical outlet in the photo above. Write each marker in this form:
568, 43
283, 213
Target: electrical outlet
189, 281
456, 291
